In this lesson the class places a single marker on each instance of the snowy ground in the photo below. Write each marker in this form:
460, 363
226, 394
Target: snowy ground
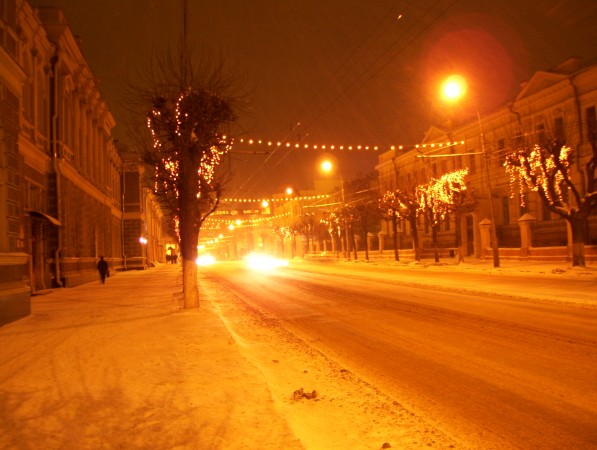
121, 366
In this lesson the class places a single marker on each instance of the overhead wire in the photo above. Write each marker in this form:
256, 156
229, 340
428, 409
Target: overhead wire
373, 70
353, 85
389, 13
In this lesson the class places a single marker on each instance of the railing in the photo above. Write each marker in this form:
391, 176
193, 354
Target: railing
508, 236
549, 233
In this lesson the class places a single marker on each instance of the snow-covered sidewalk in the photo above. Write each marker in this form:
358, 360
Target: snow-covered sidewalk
121, 366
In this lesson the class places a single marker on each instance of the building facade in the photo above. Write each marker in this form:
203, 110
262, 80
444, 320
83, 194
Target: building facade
143, 223
559, 103
61, 173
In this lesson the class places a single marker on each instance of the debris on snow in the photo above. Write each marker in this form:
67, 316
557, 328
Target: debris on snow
299, 394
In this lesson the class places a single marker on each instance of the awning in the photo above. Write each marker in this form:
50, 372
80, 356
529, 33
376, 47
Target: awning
45, 216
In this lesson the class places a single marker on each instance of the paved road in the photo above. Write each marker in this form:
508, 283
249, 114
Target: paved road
492, 371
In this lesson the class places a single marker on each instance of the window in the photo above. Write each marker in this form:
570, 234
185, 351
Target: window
472, 164
519, 141
8, 12
558, 130
8, 24
506, 210
541, 134
591, 123
501, 152
443, 167
28, 89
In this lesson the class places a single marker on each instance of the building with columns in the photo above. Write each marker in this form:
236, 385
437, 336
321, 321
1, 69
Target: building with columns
557, 103
61, 173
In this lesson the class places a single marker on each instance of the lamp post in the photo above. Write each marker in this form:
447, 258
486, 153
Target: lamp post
327, 166
454, 88
143, 242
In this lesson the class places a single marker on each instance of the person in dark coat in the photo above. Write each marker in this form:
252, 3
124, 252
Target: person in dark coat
103, 269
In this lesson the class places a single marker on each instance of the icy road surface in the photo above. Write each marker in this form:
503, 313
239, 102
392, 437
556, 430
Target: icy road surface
437, 367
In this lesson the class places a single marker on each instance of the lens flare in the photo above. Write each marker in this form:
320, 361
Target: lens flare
264, 263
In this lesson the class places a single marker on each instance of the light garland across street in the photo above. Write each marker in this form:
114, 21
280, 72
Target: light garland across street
304, 146
274, 199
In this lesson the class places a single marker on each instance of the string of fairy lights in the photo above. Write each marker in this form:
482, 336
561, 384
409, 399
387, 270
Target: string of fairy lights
266, 200
216, 224
498, 153
306, 146
438, 192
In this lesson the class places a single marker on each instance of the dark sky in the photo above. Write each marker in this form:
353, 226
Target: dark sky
343, 72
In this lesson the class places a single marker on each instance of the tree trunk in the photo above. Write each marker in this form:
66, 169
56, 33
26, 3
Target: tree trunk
578, 227
458, 238
190, 285
189, 236
353, 243
434, 238
345, 244
415, 235
395, 238
188, 247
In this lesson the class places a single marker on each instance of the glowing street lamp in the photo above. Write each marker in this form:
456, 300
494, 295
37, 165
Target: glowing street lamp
327, 166
452, 90
143, 242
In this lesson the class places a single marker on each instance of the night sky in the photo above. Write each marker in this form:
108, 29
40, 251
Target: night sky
342, 72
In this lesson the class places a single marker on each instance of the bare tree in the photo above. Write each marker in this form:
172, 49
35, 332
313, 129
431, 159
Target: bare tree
362, 194
547, 170
190, 104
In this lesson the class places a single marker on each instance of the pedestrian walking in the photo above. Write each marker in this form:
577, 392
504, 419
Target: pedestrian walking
103, 269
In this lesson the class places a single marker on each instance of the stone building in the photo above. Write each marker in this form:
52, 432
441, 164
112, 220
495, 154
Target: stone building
143, 222
61, 174
558, 103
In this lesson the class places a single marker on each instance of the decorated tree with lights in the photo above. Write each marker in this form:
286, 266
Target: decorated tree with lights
331, 222
306, 227
402, 204
282, 233
546, 170
440, 197
389, 208
191, 104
